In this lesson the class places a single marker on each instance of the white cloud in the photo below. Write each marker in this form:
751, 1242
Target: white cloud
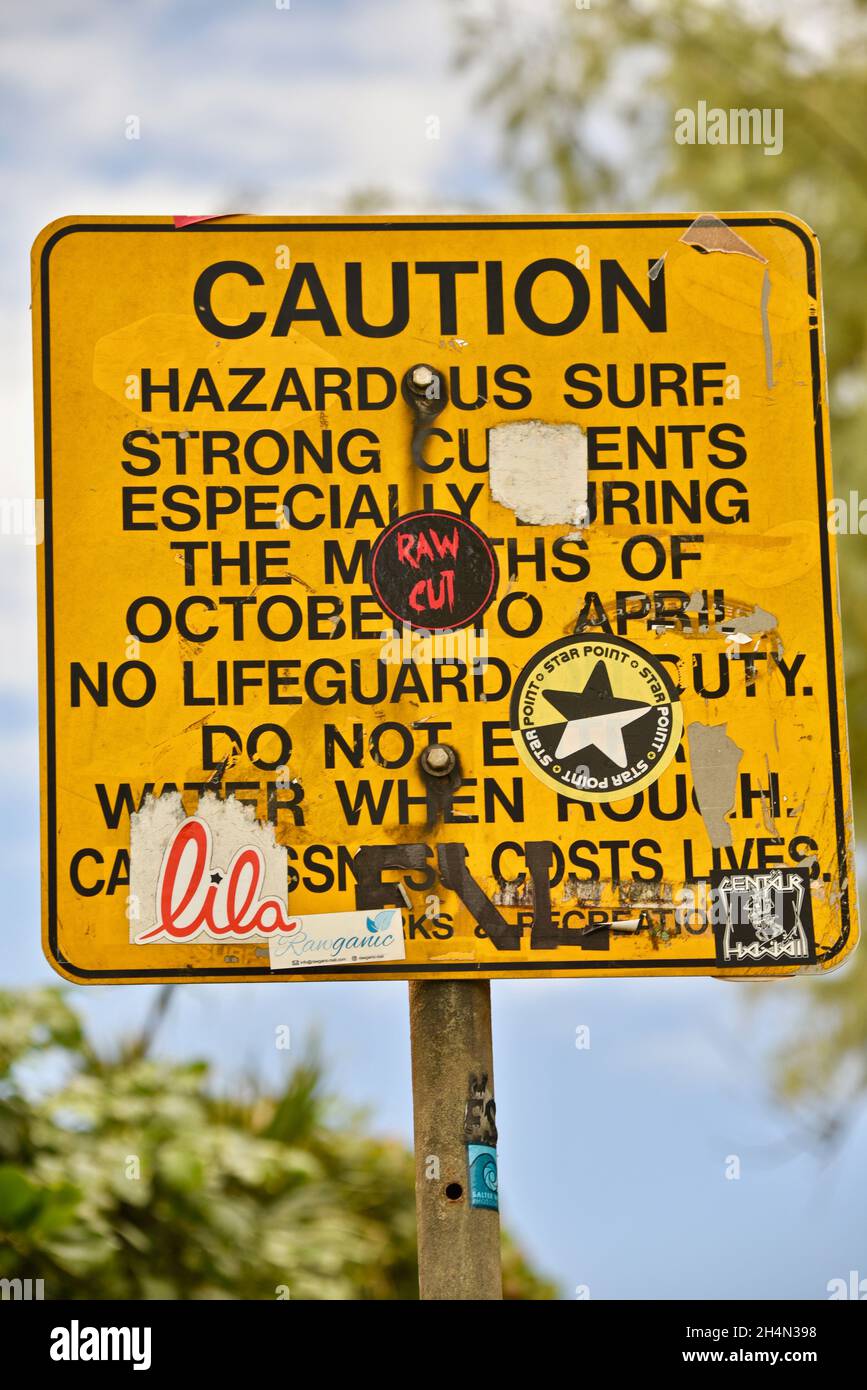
245, 97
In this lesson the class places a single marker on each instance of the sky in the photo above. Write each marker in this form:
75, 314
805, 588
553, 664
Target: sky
615, 1159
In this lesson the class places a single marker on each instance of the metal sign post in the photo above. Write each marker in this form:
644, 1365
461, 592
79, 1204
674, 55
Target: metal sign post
455, 1140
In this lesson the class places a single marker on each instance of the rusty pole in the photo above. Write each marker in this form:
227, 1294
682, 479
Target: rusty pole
454, 1117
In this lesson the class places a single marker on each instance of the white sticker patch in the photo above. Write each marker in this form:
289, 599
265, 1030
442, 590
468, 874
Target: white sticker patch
216, 876
340, 938
539, 471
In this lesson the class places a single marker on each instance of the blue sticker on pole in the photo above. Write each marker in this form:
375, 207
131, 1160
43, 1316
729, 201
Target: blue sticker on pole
482, 1160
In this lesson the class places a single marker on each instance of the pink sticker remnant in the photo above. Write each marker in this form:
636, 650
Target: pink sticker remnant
207, 217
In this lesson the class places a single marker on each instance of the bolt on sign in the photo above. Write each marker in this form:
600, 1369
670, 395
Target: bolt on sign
438, 597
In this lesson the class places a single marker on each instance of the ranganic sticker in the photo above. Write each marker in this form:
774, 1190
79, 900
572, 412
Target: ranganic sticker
434, 570
595, 718
340, 938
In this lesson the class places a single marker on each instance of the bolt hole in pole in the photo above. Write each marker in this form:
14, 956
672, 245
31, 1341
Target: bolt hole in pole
454, 1192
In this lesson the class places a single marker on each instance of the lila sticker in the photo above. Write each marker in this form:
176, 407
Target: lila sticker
434, 570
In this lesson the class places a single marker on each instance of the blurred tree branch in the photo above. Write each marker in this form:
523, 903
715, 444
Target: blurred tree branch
126, 1177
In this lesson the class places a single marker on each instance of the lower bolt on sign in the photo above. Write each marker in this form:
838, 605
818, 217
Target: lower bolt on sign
438, 597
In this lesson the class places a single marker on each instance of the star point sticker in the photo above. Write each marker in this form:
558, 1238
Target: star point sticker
595, 717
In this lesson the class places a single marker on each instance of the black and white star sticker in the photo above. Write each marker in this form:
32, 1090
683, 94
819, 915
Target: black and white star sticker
595, 717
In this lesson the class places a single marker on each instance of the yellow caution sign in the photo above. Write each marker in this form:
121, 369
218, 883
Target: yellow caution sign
438, 597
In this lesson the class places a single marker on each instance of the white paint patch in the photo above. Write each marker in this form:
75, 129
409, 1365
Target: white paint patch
714, 760
340, 938
539, 472
230, 829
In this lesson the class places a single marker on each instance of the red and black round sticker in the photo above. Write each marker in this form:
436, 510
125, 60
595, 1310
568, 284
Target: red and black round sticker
434, 570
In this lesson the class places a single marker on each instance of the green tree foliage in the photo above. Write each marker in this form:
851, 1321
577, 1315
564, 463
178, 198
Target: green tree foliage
126, 1177
585, 99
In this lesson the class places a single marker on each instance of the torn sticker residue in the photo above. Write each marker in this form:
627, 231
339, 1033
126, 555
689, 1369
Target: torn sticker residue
766, 330
739, 623
754, 624
539, 471
714, 759
708, 234
181, 222
216, 876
